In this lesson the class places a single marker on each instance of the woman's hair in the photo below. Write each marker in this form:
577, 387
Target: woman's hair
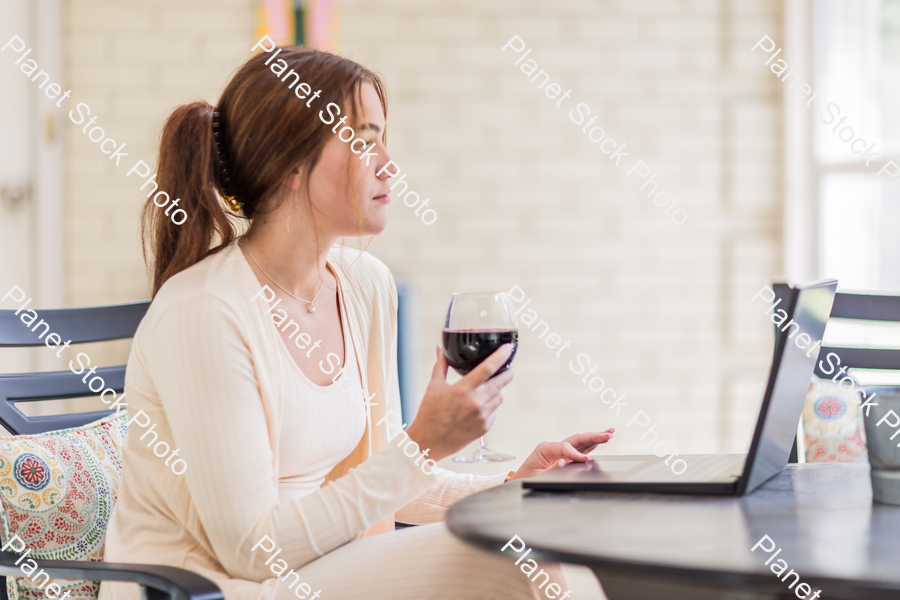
265, 132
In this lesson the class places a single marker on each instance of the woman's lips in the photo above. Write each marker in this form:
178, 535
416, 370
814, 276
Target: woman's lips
384, 198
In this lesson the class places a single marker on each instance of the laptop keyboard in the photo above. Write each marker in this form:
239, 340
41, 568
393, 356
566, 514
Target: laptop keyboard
700, 467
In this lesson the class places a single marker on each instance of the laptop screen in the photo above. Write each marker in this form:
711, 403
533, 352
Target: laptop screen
802, 322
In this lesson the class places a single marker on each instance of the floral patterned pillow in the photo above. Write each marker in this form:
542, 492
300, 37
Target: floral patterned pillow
57, 491
832, 425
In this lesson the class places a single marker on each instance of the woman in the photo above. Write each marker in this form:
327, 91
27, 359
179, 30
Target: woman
287, 453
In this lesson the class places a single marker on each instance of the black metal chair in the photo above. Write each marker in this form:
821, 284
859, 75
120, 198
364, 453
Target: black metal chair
858, 307
82, 325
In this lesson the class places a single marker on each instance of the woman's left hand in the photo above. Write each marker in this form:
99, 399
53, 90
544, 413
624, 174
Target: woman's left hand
549, 455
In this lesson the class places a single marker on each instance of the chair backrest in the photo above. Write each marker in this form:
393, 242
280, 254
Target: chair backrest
857, 307
864, 307
119, 321
79, 326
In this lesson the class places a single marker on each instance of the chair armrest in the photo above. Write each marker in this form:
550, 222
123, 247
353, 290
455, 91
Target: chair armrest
157, 582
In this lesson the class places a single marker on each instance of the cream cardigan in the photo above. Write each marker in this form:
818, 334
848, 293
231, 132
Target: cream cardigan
204, 367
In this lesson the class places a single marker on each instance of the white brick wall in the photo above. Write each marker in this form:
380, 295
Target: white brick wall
132, 62
522, 196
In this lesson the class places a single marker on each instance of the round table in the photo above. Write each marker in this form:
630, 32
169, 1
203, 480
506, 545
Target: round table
673, 547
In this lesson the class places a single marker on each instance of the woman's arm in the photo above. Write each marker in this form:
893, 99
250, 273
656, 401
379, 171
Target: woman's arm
207, 382
452, 487
448, 489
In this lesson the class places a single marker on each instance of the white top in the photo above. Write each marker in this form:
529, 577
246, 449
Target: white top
321, 424
207, 367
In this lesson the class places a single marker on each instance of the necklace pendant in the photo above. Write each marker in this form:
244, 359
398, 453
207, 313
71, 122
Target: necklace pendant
311, 308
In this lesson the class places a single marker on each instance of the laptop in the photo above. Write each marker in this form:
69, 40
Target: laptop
808, 308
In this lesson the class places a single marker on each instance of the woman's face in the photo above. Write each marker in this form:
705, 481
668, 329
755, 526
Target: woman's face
349, 200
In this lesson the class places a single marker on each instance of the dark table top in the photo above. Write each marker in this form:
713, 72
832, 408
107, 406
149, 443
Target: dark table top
821, 515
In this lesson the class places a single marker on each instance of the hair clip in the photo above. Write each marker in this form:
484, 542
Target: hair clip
230, 201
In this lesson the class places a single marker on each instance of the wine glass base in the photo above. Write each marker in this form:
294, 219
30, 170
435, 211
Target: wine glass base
483, 455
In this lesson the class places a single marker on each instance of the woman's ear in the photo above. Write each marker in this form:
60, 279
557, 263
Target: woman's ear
294, 179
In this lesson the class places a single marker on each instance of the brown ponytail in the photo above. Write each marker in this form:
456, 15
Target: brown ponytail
266, 131
186, 170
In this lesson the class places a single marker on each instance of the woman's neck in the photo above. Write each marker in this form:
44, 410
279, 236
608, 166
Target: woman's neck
294, 259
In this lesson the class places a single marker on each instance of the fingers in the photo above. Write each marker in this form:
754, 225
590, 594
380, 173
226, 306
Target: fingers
585, 442
489, 422
591, 449
491, 404
439, 372
584, 435
588, 442
493, 386
555, 465
488, 367
568, 451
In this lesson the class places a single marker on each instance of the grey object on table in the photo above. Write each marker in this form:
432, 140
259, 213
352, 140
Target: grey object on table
884, 453
698, 547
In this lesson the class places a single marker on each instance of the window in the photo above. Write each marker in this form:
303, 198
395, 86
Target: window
856, 64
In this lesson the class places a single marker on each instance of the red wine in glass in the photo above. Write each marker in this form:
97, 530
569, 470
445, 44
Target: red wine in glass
477, 324
464, 349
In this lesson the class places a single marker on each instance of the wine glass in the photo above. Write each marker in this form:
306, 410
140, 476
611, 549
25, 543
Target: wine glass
477, 324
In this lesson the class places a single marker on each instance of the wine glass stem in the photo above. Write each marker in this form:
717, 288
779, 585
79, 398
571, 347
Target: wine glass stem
482, 445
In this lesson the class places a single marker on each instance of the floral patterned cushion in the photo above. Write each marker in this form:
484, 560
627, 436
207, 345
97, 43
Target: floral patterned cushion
57, 491
832, 425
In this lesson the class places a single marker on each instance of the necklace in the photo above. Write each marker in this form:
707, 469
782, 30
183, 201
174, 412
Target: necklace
311, 308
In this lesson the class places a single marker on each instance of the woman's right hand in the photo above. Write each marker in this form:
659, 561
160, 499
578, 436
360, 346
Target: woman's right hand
451, 416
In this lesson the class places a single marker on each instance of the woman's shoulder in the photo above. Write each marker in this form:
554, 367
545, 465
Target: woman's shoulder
213, 284
362, 269
367, 285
